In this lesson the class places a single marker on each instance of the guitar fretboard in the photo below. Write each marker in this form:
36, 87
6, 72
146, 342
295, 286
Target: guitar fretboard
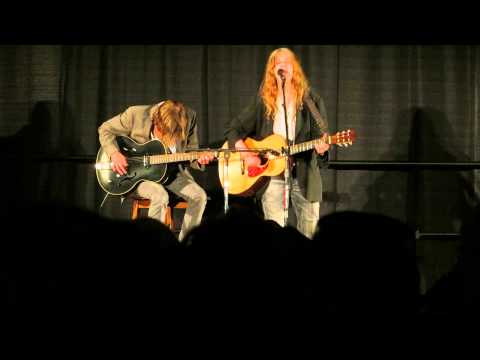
308, 145
169, 158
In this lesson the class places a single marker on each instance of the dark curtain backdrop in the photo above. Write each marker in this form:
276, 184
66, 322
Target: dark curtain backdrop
406, 103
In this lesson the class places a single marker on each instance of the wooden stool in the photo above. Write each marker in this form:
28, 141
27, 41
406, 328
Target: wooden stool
145, 204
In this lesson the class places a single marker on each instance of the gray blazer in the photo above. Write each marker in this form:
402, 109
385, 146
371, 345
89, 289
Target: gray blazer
136, 122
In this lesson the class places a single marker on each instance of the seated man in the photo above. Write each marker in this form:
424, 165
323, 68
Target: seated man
175, 126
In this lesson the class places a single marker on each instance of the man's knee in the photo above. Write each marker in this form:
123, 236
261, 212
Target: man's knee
200, 197
159, 197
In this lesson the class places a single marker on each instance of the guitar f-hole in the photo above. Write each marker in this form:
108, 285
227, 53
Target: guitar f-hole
126, 177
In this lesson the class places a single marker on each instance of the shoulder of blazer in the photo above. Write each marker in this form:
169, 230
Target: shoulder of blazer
139, 108
314, 95
191, 114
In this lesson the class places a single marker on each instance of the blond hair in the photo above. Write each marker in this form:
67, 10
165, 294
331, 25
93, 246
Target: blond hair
269, 88
170, 119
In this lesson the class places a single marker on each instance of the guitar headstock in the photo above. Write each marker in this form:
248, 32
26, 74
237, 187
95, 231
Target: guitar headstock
343, 138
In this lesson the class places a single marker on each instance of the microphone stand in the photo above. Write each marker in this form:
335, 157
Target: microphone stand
226, 156
286, 193
226, 184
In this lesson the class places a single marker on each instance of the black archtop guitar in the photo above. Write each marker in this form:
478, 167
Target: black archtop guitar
149, 161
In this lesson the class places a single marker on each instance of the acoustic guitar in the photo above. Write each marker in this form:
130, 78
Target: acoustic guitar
245, 182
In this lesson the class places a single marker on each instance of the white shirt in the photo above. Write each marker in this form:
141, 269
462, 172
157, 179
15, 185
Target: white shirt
172, 148
279, 120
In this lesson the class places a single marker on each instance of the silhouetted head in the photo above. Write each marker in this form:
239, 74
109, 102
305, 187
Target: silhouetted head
367, 262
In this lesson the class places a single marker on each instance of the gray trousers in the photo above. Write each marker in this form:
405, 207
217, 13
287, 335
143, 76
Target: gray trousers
306, 212
183, 187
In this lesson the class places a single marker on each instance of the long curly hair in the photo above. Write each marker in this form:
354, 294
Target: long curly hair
170, 118
269, 88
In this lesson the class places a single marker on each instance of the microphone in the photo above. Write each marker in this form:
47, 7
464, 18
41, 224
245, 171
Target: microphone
281, 73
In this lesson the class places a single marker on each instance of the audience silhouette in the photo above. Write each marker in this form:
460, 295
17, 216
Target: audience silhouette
367, 264
458, 292
238, 263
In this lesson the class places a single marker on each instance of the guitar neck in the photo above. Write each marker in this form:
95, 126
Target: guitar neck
308, 145
175, 157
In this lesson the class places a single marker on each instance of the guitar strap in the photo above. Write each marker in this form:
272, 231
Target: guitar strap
322, 124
